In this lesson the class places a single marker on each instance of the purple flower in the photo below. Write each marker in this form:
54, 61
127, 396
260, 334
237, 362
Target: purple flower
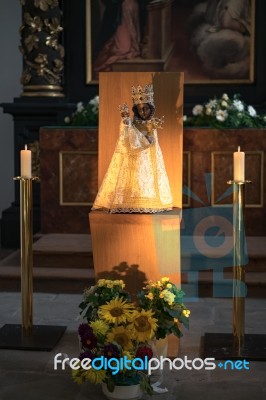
110, 351
86, 354
89, 340
84, 329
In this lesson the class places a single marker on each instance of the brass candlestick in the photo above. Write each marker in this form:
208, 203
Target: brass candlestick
236, 345
238, 267
27, 336
26, 257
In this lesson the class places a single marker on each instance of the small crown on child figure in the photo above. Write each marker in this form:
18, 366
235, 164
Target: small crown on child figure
143, 95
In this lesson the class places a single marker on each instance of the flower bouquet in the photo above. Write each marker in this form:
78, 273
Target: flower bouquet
165, 300
117, 335
225, 113
116, 339
84, 115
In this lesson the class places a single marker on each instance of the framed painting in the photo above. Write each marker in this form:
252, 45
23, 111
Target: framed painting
211, 41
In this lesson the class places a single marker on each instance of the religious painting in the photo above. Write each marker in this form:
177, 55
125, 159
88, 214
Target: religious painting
211, 41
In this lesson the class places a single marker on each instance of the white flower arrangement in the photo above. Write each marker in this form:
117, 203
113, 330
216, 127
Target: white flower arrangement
225, 112
84, 115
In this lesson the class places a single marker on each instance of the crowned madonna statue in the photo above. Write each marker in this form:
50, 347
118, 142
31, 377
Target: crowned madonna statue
136, 180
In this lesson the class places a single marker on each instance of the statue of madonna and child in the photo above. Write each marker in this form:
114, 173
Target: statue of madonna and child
136, 180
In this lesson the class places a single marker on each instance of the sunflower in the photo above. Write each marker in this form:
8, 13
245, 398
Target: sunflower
95, 376
78, 375
122, 336
116, 311
143, 325
99, 327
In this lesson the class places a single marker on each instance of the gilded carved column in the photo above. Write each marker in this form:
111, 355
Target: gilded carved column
40, 45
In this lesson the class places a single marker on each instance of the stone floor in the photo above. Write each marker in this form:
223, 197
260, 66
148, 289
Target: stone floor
30, 374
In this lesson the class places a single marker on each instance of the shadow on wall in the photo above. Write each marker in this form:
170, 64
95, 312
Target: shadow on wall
131, 275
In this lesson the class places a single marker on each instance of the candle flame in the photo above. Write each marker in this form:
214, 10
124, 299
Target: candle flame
238, 148
26, 147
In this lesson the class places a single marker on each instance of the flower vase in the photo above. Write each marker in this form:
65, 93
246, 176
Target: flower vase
129, 392
160, 349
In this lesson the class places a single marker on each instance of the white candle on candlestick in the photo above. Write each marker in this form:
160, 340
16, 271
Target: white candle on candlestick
25, 163
239, 166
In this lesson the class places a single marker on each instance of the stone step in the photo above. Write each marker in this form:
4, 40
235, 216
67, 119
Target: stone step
207, 284
63, 251
192, 260
63, 264
48, 280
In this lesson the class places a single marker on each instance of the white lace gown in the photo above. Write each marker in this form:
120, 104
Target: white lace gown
136, 179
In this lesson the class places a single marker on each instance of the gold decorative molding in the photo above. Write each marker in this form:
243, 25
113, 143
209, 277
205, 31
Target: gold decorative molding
254, 172
77, 178
39, 87
41, 94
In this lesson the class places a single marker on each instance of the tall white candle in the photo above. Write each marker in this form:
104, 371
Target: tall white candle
239, 165
25, 163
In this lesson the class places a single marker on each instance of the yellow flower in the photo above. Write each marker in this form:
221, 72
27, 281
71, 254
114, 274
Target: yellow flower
78, 375
169, 285
161, 295
168, 297
119, 282
122, 336
149, 295
186, 313
95, 376
164, 279
101, 282
99, 327
144, 325
129, 355
116, 311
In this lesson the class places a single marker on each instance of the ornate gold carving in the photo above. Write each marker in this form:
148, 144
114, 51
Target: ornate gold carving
34, 23
31, 42
45, 4
41, 32
53, 25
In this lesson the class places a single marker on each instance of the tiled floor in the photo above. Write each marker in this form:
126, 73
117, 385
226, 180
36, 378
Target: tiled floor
30, 374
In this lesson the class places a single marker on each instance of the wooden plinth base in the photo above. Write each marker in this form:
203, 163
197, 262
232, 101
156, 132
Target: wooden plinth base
136, 247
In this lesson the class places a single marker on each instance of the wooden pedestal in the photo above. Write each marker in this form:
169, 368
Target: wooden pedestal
136, 247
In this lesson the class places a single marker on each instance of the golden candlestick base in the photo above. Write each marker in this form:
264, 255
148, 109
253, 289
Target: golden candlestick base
239, 263
26, 336
237, 345
26, 256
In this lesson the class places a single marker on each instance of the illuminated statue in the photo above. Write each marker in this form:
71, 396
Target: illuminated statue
136, 180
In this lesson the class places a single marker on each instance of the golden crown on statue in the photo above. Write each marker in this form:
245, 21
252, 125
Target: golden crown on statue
143, 95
